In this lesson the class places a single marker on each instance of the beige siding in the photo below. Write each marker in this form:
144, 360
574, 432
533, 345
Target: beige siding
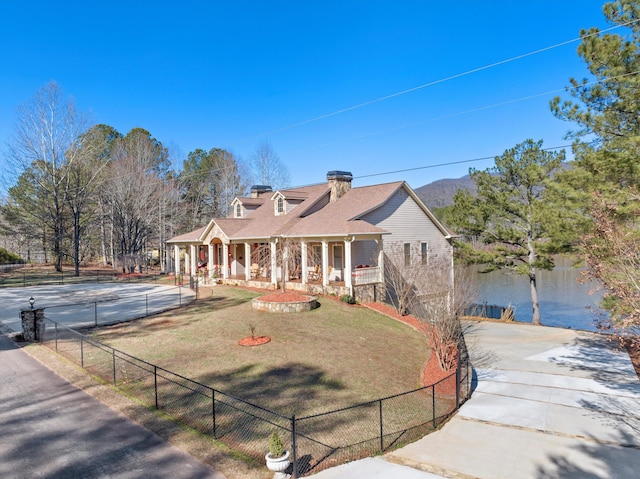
408, 223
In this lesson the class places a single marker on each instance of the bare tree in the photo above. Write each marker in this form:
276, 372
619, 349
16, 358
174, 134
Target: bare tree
439, 310
48, 130
612, 253
428, 287
134, 190
267, 168
403, 275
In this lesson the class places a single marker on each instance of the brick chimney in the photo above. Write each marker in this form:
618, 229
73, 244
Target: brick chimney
258, 190
339, 183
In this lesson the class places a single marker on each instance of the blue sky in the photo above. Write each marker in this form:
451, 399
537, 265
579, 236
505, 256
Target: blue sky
229, 74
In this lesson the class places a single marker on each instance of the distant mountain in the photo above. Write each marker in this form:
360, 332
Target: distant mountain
440, 193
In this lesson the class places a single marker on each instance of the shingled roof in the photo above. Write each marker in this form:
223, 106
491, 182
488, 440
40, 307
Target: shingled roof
314, 215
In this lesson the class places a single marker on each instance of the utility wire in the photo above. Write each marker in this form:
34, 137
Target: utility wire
436, 82
448, 163
471, 110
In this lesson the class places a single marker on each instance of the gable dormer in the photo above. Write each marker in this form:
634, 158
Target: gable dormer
279, 204
285, 201
243, 207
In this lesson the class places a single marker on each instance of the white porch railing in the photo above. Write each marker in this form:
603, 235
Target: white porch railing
368, 275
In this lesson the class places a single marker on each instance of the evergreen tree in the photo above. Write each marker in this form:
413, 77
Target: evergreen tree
606, 170
513, 218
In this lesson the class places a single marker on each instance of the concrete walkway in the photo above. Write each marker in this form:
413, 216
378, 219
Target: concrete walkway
49, 428
549, 403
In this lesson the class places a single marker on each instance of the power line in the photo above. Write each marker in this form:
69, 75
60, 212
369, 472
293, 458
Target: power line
435, 82
448, 163
465, 112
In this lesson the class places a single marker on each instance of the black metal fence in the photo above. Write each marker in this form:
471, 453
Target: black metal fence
485, 310
29, 277
316, 442
8, 267
101, 311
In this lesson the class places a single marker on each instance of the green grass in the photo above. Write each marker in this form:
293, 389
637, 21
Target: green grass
331, 357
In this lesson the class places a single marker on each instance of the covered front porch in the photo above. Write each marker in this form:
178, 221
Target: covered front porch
315, 265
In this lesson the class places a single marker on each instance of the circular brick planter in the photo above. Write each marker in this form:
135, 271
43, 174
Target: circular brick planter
273, 304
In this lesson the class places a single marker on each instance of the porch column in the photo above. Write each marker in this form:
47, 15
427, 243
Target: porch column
210, 263
303, 252
194, 259
187, 260
247, 261
347, 264
176, 258
274, 264
225, 261
380, 260
325, 263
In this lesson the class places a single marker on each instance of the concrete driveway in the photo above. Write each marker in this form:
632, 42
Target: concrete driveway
549, 403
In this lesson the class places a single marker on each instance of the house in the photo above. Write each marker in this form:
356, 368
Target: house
324, 238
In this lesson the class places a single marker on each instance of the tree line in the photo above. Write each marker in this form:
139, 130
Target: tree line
86, 191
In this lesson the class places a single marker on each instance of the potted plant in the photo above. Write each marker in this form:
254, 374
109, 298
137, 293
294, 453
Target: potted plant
277, 458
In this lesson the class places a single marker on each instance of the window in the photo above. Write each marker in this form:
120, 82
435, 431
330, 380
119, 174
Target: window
407, 254
238, 210
424, 253
280, 205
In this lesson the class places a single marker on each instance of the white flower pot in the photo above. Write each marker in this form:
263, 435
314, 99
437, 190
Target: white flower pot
278, 464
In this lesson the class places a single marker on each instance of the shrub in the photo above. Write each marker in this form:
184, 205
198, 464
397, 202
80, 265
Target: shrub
347, 298
8, 257
276, 448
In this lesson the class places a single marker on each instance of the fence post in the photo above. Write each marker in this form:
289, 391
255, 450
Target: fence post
155, 383
294, 448
458, 381
56, 333
179, 295
433, 404
146, 304
113, 356
381, 426
95, 313
213, 413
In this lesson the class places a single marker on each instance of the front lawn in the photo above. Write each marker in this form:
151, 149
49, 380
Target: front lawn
331, 357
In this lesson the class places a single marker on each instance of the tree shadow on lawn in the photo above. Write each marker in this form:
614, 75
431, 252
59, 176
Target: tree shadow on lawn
285, 389
325, 437
215, 303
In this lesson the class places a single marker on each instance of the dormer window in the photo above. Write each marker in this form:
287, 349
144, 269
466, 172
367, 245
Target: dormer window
280, 205
238, 210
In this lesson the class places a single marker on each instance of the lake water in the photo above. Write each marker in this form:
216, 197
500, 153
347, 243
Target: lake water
563, 300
